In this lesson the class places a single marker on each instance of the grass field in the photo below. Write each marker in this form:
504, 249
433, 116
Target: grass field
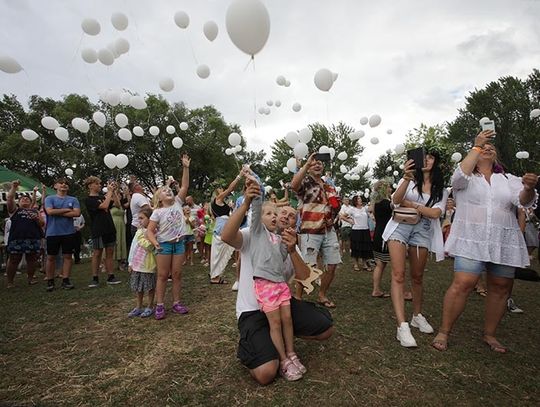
79, 348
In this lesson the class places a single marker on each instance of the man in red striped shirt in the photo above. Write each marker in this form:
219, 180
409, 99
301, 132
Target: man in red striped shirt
319, 206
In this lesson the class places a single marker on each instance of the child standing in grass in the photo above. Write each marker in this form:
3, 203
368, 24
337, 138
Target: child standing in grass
189, 235
166, 232
268, 254
142, 266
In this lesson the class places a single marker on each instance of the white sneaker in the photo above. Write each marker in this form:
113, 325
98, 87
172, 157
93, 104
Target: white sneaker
418, 321
404, 336
235, 286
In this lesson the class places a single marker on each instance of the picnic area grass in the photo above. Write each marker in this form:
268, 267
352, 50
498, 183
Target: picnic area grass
78, 348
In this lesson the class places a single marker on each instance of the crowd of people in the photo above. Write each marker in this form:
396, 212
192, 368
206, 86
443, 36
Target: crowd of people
485, 221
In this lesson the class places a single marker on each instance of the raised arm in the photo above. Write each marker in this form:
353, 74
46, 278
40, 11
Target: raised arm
111, 187
528, 193
296, 182
301, 269
34, 197
230, 188
469, 162
11, 206
183, 190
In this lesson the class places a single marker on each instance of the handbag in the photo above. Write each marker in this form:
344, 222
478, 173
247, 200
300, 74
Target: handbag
409, 216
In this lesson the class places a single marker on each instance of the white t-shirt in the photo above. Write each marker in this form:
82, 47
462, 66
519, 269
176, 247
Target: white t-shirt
170, 222
137, 202
246, 300
360, 217
345, 210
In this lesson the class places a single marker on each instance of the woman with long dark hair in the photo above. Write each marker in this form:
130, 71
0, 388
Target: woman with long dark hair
421, 189
485, 235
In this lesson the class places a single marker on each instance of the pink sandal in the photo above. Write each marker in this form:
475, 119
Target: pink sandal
289, 371
296, 360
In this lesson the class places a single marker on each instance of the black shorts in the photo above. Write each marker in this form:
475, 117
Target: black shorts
66, 242
255, 346
101, 242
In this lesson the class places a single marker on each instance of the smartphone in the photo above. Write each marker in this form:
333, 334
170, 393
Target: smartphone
418, 155
488, 125
322, 157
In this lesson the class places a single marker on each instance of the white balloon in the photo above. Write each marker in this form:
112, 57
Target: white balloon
374, 140
395, 173
267, 111
280, 80
61, 134
301, 150
76, 123
519, 155
177, 142
154, 130
342, 169
170, 129
68, 172
111, 47
394, 185
285, 170
323, 79
389, 168
9, 64
125, 98
364, 120
50, 123
89, 55
374, 120
228, 151
121, 120
83, 126
389, 131
334, 76
138, 131
91, 26
137, 102
535, 113
113, 98
270, 102
332, 152
305, 134
483, 120
99, 118
287, 83
29, 135
210, 30
347, 177
342, 156
267, 189
234, 139
456, 157
401, 166
183, 126
525, 155
296, 107
355, 135
110, 160
119, 21
366, 194
368, 174
277, 103
291, 139
124, 134
181, 19
248, 25
324, 150
261, 110
166, 84
203, 71
105, 56
238, 148
122, 160
291, 164
121, 45
399, 149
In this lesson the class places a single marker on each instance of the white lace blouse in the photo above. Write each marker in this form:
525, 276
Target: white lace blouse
485, 226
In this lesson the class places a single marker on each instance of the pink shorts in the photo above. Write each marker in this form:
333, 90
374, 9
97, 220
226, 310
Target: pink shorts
271, 295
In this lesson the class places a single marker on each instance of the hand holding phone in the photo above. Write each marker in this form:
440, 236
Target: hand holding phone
418, 156
489, 125
323, 157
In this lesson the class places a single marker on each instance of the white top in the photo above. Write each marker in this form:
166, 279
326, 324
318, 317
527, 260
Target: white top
246, 300
137, 202
360, 217
436, 237
345, 211
78, 222
485, 226
170, 222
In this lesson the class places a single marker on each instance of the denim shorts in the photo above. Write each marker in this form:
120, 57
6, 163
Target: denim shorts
413, 235
466, 265
172, 247
327, 244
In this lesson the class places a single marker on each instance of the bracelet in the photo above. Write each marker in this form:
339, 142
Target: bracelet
478, 149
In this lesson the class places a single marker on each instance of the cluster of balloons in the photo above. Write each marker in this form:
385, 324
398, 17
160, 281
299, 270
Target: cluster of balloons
9, 64
112, 161
356, 135
122, 97
282, 81
234, 140
324, 79
114, 50
522, 155
269, 103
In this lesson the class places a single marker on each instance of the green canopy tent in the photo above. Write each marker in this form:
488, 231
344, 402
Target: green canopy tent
27, 184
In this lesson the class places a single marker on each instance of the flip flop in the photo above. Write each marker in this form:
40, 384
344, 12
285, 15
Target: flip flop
495, 346
220, 281
327, 303
381, 295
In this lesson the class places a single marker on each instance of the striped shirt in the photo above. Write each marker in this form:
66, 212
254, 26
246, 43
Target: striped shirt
316, 212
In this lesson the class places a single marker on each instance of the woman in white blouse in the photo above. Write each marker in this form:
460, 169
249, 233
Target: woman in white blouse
361, 245
485, 235
423, 190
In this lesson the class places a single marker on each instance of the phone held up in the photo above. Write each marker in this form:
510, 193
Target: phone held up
324, 157
489, 125
418, 155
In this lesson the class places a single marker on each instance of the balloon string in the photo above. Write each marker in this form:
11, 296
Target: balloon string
192, 49
78, 48
254, 93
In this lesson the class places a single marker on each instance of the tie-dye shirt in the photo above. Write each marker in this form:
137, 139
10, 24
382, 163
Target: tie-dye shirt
141, 254
170, 222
